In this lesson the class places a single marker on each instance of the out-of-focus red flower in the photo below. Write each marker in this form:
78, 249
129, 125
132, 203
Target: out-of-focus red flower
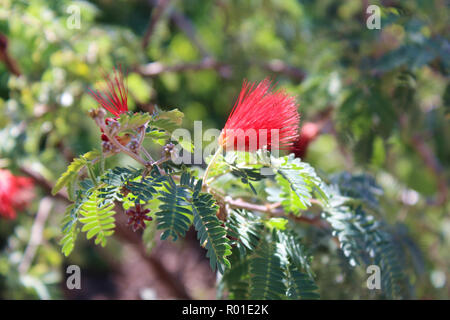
257, 111
15, 193
308, 133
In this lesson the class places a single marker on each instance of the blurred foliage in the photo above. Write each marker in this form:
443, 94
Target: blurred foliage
388, 90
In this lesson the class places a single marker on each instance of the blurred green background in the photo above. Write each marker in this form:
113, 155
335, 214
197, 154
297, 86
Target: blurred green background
382, 95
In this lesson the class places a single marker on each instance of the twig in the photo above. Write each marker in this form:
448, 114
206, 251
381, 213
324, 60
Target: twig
433, 164
157, 12
417, 142
117, 144
36, 234
44, 183
185, 25
9, 62
276, 210
154, 69
278, 66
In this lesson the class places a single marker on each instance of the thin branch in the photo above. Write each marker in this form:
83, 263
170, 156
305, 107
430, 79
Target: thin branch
185, 25
276, 210
9, 62
117, 144
278, 66
36, 234
154, 69
157, 12
44, 183
431, 161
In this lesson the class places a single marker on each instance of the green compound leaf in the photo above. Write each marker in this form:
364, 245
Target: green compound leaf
174, 215
210, 232
98, 219
73, 169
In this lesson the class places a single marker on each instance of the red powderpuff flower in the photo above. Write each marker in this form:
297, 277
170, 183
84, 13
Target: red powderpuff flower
260, 115
15, 193
114, 99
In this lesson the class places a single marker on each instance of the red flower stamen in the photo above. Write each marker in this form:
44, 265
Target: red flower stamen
114, 99
259, 113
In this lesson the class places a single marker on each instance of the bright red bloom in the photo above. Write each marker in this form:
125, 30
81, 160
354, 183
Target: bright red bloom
308, 133
260, 115
114, 99
15, 193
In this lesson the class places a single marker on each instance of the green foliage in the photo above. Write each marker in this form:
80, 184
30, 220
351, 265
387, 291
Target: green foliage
73, 169
298, 181
174, 215
210, 232
167, 120
266, 268
266, 264
364, 240
245, 229
300, 285
69, 231
71, 217
382, 95
97, 219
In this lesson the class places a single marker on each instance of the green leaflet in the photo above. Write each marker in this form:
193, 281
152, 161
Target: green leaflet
70, 221
210, 231
300, 285
72, 170
69, 231
266, 268
131, 121
174, 215
245, 228
363, 240
168, 120
302, 180
97, 219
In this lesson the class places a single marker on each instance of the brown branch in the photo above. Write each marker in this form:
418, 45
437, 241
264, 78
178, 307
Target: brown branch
431, 161
44, 183
36, 234
9, 62
185, 25
157, 12
278, 66
154, 69
417, 142
276, 210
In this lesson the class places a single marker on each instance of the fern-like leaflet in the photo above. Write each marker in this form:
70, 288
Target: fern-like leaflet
210, 232
97, 219
174, 215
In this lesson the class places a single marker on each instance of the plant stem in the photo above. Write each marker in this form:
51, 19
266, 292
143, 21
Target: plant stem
117, 144
214, 158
